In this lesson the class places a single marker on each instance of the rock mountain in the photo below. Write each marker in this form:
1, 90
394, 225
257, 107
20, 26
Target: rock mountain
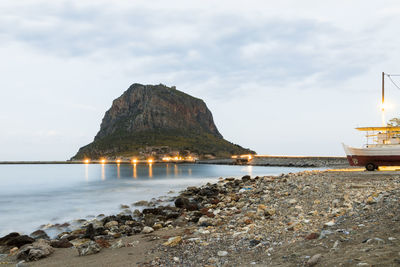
158, 120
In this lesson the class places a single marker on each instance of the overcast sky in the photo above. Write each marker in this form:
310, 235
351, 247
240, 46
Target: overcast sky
280, 77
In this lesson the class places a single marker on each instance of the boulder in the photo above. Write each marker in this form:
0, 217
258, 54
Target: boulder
110, 224
35, 251
62, 243
19, 241
90, 232
155, 211
39, 234
5, 239
185, 203
88, 248
246, 178
141, 203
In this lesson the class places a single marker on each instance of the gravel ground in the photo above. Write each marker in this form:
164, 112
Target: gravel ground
312, 218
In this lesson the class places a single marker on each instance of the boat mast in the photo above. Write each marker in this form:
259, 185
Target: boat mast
383, 91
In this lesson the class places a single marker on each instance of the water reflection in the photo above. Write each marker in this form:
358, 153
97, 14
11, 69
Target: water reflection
167, 169
103, 173
86, 172
134, 171
190, 171
175, 170
250, 170
118, 171
150, 170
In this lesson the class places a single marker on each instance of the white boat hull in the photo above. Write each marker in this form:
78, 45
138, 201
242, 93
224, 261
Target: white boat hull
385, 155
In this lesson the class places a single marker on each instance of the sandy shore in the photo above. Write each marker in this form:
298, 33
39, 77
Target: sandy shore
328, 218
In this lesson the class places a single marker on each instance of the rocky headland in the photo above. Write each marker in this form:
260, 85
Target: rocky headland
312, 218
158, 121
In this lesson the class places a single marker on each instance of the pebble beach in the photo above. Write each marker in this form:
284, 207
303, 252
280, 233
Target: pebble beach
313, 218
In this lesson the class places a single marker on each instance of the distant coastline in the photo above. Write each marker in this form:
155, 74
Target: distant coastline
281, 161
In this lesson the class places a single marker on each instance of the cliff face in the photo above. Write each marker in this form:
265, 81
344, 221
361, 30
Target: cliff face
147, 108
159, 117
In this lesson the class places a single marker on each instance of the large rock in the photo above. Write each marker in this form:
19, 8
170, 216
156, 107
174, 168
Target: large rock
88, 248
161, 119
5, 239
185, 203
90, 232
39, 234
19, 241
62, 243
35, 251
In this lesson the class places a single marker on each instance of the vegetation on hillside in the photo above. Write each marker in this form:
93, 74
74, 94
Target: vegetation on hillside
119, 144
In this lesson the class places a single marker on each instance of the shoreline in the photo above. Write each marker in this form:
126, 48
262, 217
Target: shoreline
272, 161
267, 218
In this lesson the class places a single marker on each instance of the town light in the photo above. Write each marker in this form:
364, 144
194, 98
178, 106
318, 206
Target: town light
134, 161
103, 161
150, 161
118, 161
86, 161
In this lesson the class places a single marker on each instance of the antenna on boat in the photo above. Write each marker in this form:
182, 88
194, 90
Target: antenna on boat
383, 91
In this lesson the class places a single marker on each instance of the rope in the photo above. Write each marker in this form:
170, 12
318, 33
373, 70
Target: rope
393, 81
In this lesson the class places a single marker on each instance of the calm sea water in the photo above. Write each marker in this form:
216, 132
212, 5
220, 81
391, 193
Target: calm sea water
33, 195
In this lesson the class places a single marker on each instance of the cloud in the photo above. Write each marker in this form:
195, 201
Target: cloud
194, 45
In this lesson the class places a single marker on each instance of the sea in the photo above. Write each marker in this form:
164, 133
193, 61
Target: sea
34, 196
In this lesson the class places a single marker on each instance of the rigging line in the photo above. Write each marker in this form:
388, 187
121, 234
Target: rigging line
392, 74
393, 82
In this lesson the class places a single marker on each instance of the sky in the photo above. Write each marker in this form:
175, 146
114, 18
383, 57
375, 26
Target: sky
280, 77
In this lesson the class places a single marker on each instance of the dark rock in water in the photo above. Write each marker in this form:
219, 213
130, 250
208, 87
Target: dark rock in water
62, 243
90, 232
155, 211
39, 234
141, 203
5, 239
19, 241
181, 202
246, 178
124, 218
185, 203
161, 118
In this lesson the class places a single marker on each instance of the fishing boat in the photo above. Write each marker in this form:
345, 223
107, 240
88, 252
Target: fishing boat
381, 149
383, 143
